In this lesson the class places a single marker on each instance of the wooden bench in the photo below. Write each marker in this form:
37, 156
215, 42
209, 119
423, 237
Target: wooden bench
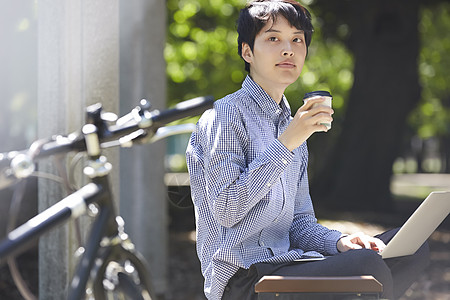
357, 285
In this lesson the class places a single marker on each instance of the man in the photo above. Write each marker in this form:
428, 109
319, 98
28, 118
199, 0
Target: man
247, 162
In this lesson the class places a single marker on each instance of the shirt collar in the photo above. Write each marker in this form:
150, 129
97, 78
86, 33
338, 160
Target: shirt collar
263, 99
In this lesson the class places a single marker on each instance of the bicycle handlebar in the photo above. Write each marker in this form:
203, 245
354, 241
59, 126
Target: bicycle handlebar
20, 164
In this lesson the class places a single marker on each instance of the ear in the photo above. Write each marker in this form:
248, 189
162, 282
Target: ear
247, 53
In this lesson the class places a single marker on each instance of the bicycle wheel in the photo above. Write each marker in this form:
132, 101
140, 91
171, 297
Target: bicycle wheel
128, 286
121, 274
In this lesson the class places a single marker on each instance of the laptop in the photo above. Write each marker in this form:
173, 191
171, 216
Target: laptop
418, 228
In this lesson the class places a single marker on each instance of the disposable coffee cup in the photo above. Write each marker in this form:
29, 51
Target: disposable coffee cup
326, 102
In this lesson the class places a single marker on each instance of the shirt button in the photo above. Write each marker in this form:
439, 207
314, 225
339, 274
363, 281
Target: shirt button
268, 184
284, 161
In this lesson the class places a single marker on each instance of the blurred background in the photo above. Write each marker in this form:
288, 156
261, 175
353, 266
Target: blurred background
386, 63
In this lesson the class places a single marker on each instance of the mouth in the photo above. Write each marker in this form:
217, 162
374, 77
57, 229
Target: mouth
286, 64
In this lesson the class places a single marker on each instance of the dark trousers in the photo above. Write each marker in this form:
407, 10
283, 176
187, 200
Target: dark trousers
396, 274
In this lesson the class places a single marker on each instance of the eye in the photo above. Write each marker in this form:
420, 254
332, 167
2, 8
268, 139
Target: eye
273, 39
297, 40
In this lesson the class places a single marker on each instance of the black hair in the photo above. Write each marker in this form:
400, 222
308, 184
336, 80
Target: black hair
257, 13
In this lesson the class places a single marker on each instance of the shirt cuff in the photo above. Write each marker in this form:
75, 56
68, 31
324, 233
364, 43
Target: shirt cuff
279, 154
331, 242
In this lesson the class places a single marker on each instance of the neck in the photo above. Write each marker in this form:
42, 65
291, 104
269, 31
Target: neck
274, 91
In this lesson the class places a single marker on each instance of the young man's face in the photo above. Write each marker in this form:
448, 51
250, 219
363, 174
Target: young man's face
278, 55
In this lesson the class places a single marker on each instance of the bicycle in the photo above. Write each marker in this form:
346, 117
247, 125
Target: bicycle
109, 267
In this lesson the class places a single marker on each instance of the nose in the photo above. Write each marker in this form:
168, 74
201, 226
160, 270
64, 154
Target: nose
287, 51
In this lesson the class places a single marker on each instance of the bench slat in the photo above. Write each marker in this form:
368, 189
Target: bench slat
338, 284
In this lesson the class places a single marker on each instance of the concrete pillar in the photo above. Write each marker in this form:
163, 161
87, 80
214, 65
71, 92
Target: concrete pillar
142, 75
78, 65
18, 91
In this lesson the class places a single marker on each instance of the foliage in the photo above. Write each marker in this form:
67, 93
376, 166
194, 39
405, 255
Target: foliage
328, 66
201, 55
432, 116
201, 51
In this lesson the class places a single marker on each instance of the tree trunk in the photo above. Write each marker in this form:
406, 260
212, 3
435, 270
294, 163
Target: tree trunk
385, 44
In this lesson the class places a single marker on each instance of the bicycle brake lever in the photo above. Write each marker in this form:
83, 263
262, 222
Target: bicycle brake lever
167, 131
21, 166
145, 137
7, 177
136, 115
16, 165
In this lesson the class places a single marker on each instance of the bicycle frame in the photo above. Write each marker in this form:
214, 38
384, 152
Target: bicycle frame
73, 206
106, 239
70, 207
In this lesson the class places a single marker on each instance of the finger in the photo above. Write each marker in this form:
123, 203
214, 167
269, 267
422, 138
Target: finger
314, 117
361, 239
311, 102
314, 110
319, 128
364, 242
349, 243
378, 245
375, 247
321, 118
321, 109
354, 246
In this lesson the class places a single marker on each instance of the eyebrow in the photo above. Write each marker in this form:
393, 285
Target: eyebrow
274, 30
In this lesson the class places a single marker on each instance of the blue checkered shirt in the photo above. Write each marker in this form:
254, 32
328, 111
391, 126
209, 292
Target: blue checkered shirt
250, 193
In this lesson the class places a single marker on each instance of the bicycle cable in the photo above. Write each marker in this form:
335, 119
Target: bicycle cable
14, 210
14, 207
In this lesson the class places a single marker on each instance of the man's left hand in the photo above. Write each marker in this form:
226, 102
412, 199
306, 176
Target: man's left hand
360, 241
